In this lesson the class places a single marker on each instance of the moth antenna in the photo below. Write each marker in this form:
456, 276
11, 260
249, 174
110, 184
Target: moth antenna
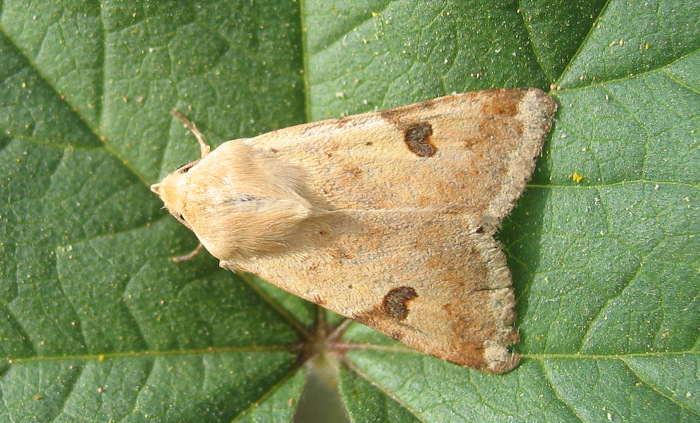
204, 148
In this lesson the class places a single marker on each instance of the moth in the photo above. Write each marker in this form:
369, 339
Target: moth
385, 217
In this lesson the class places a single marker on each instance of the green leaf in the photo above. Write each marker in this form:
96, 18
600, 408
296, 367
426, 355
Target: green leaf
97, 324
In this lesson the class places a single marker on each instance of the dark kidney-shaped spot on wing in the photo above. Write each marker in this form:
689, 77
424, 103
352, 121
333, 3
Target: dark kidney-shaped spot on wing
396, 301
417, 138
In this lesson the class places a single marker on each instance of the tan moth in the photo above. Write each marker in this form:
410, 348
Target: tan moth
384, 217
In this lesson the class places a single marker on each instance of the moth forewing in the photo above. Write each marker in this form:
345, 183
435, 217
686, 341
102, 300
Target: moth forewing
385, 217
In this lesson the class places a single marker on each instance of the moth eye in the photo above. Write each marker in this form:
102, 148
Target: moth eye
184, 168
182, 220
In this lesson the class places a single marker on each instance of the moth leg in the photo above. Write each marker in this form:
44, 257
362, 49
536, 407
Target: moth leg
204, 148
189, 255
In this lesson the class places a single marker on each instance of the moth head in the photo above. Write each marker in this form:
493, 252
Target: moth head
172, 191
